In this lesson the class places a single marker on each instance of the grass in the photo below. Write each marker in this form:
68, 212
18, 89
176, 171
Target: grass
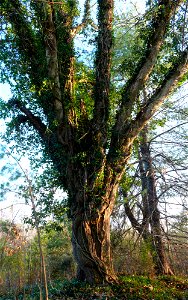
129, 288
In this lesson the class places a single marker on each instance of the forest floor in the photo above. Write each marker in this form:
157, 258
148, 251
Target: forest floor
129, 288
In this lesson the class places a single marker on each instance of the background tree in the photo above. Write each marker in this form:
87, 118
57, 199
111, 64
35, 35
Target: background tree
150, 226
157, 180
88, 142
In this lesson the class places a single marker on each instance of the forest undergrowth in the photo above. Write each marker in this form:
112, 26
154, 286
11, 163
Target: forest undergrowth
128, 288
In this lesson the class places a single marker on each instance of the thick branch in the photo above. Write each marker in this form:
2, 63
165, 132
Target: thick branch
35, 121
63, 23
160, 22
157, 99
119, 151
52, 59
103, 63
135, 224
153, 104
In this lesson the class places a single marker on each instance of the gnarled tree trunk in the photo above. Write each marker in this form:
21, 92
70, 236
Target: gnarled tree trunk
93, 196
91, 246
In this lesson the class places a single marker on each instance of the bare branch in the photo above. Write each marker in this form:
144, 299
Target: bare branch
135, 224
167, 131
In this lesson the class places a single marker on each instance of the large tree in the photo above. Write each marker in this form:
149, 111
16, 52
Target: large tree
71, 107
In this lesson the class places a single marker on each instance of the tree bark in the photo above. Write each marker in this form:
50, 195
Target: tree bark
91, 246
91, 203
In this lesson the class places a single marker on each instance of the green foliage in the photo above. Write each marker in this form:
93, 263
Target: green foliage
59, 251
128, 46
84, 81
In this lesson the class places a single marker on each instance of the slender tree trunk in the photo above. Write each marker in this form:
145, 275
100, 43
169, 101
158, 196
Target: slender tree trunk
43, 278
151, 213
